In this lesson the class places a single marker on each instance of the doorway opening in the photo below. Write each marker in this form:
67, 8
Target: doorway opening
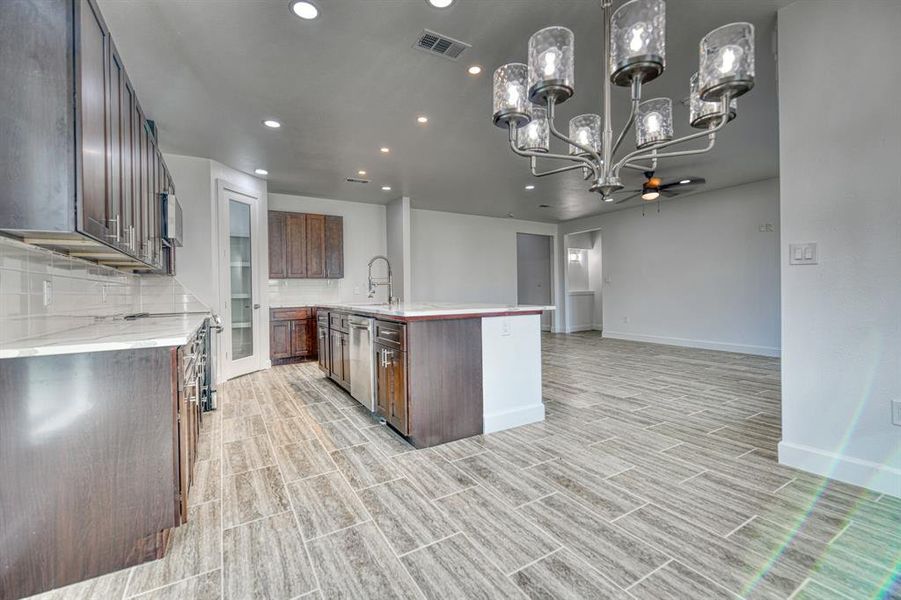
534, 264
583, 281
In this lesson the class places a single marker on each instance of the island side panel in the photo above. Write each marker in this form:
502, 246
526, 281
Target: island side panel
445, 380
87, 474
511, 366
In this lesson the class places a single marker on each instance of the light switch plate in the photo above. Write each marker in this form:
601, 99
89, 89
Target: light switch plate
505, 326
802, 254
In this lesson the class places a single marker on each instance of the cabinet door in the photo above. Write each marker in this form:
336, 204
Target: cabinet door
277, 243
115, 188
127, 104
315, 246
301, 338
295, 227
345, 357
336, 362
280, 339
323, 349
397, 380
382, 382
93, 99
334, 247
139, 175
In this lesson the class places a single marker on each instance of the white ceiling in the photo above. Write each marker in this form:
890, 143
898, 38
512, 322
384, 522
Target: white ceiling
209, 71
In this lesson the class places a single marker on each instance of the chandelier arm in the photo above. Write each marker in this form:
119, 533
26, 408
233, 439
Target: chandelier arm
707, 148
552, 171
641, 168
587, 149
583, 162
724, 111
636, 100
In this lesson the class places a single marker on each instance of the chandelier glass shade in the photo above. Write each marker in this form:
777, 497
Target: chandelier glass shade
525, 97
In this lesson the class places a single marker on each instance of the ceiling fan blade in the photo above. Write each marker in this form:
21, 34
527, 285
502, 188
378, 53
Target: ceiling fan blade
689, 182
627, 198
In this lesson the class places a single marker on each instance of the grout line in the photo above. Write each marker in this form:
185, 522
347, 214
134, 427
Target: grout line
432, 543
174, 582
626, 514
339, 530
687, 479
787, 483
629, 468
799, 588
636, 582
841, 531
740, 526
537, 560
745, 453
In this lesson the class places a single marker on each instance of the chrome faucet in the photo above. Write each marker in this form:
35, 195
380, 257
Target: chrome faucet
373, 283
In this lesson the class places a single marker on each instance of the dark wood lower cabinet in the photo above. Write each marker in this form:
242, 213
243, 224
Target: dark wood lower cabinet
292, 335
323, 340
391, 386
96, 462
339, 358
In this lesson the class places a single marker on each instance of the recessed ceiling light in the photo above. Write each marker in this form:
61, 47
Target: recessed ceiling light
684, 181
530, 187
304, 9
474, 70
422, 119
386, 188
385, 149
361, 172
261, 171
272, 124
440, 3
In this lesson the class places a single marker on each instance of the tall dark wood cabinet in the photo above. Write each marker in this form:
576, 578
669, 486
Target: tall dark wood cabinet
305, 246
80, 163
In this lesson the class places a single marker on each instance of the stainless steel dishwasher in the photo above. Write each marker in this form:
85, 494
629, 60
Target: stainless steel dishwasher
362, 366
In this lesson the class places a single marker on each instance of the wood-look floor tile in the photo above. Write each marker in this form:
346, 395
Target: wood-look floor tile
386, 441
324, 504
241, 428
247, 454
357, 563
209, 446
305, 392
516, 487
620, 557
98, 588
280, 410
253, 494
588, 489
334, 394
360, 416
323, 412
202, 587
453, 568
764, 479
564, 576
193, 549
433, 475
266, 559
510, 541
403, 514
364, 466
207, 482
458, 449
303, 459
675, 580
578, 452
336, 435
514, 450
289, 431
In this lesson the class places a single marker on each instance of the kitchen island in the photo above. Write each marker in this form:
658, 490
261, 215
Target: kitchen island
439, 371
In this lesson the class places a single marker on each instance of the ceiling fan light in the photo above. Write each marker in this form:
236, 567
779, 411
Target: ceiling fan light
535, 136
551, 65
650, 194
703, 114
638, 41
511, 102
654, 123
586, 130
726, 62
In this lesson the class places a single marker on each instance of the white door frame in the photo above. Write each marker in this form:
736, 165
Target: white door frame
229, 368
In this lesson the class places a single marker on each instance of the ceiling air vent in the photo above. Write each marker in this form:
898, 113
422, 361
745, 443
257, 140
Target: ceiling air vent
435, 43
356, 180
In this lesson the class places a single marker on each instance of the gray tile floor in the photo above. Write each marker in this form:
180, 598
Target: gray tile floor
654, 476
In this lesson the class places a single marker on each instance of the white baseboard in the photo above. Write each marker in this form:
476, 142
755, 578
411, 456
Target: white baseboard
690, 343
513, 418
864, 473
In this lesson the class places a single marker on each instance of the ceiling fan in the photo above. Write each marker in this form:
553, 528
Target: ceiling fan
654, 188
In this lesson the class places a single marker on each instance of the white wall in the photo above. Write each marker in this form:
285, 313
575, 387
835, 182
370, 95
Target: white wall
398, 230
698, 274
595, 279
840, 146
364, 237
467, 258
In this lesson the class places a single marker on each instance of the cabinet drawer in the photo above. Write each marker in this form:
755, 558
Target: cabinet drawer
290, 314
322, 318
391, 334
338, 321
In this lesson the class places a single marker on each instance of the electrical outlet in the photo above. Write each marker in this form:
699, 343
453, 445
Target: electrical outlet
505, 326
48, 292
896, 412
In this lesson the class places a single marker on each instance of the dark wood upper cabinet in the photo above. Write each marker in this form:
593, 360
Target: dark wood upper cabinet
334, 247
297, 245
305, 246
316, 246
278, 268
81, 169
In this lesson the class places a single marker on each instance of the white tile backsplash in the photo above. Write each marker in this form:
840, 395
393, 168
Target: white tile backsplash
81, 292
302, 292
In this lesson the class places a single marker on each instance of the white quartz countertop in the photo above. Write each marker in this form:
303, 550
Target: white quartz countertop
110, 334
412, 310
